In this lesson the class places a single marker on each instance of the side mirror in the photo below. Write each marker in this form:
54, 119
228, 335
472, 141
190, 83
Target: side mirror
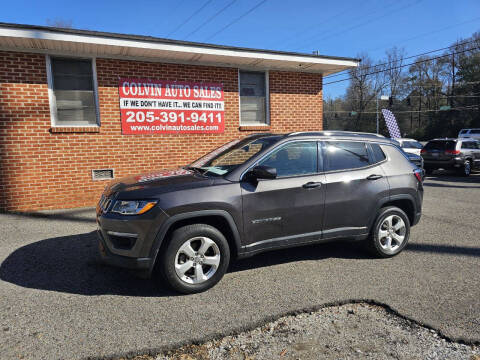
263, 172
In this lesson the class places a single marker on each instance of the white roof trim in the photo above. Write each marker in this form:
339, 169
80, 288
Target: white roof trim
45, 37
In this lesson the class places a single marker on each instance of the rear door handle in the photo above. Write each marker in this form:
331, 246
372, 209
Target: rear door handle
374, 177
311, 185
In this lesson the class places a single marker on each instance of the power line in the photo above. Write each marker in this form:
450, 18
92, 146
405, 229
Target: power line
211, 18
401, 66
323, 22
472, 107
235, 20
190, 17
409, 57
433, 32
378, 17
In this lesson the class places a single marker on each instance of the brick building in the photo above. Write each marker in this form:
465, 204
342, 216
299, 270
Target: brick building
74, 109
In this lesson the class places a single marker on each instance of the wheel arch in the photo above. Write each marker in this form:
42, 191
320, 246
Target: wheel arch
404, 202
219, 219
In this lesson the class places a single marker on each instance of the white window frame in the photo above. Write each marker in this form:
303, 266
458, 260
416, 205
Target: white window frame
267, 99
51, 93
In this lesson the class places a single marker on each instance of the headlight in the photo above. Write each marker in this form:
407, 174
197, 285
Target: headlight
132, 207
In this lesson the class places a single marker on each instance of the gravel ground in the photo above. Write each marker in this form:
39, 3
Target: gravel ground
353, 331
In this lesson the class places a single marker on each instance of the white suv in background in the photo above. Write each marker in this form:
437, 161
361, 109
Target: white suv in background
469, 133
410, 146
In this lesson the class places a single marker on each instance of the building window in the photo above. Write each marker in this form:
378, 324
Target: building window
72, 87
253, 98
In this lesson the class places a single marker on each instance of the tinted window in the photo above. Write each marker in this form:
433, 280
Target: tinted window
469, 145
463, 131
378, 154
440, 145
411, 145
476, 131
341, 155
298, 158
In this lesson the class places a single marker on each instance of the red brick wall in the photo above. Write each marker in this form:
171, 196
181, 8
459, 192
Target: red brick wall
44, 168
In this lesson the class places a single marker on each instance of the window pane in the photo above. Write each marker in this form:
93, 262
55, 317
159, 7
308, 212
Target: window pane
252, 97
378, 153
295, 159
346, 155
74, 92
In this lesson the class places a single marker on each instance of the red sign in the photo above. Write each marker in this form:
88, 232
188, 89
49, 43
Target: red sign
170, 107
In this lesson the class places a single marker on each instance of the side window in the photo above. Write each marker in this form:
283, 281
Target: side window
467, 145
343, 155
378, 154
298, 158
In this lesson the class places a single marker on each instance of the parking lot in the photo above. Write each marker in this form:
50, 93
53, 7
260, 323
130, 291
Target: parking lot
58, 301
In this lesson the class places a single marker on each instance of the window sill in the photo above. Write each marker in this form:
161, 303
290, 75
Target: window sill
254, 127
75, 129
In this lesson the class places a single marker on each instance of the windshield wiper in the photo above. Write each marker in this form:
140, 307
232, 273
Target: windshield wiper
196, 169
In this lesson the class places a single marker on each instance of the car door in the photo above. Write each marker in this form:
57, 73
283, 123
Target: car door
355, 184
288, 209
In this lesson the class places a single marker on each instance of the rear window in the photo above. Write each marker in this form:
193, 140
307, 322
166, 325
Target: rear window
440, 145
463, 131
476, 131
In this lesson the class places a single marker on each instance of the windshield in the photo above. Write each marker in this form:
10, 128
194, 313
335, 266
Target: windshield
231, 155
411, 145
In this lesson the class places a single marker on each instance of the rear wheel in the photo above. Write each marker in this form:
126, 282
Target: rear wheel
195, 259
390, 233
466, 169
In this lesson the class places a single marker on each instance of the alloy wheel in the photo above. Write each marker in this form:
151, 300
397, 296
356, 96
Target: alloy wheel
197, 260
391, 234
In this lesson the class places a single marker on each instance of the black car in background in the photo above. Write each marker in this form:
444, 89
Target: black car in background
260, 193
462, 155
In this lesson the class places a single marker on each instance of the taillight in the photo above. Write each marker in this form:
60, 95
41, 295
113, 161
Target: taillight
452, 152
423, 151
418, 174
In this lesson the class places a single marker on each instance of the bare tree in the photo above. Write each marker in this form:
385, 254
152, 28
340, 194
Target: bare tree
367, 82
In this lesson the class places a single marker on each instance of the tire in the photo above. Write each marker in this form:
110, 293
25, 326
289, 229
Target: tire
208, 255
466, 169
378, 241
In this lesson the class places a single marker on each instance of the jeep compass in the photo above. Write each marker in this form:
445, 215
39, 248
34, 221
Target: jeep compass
260, 193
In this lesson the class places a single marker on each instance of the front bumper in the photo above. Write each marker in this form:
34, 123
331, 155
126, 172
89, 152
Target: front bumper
141, 264
127, 241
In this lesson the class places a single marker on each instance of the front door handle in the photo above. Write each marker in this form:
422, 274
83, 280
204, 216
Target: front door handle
374, 177
311, 185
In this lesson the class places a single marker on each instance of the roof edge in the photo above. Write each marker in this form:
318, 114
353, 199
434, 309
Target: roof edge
166, 41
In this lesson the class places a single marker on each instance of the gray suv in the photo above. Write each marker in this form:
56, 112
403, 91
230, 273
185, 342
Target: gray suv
260, 193
462, 155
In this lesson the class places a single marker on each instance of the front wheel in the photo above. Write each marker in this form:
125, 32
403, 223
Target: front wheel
390, 233
195, 259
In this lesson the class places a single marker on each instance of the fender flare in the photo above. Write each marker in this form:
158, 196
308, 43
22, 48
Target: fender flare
191, 215
387, 199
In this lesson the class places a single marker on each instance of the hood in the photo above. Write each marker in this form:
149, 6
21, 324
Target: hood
150, 184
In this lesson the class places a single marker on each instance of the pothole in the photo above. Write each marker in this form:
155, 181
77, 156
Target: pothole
355, 331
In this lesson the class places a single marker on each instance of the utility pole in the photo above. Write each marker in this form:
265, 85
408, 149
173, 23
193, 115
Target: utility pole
382, 97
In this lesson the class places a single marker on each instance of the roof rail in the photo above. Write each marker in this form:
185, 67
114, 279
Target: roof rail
335, 132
